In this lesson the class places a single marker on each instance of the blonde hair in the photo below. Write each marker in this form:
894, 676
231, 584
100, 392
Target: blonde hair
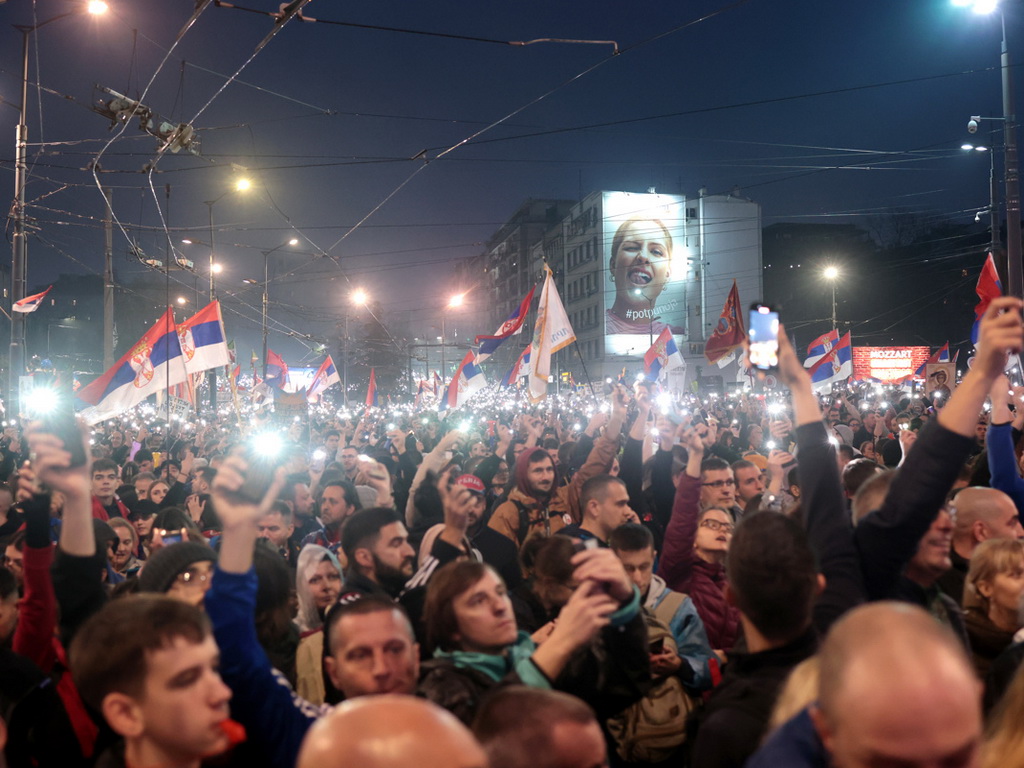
1004, 743
799, 690
990, 559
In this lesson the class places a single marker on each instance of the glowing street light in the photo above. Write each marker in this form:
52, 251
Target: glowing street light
182, 301
360, 297
457, 300
831, 273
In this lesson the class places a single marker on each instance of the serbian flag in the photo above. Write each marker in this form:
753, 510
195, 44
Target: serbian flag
939, 356
988, 288
438, 384
326, 375
371, 391
729, 333
203, 343
154, 363
277, 369
820, 347
835, 366
31, 303
512, 326
662, 356
519, 369
466, 382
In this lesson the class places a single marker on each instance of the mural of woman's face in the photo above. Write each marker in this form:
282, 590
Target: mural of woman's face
641, 261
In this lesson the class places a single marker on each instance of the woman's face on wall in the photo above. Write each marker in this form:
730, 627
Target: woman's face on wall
642, 259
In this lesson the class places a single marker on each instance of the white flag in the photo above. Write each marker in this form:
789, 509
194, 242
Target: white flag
551, 333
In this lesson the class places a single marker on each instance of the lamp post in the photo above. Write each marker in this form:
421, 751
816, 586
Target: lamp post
241, 185
1012, 171
266, 283
359, 298
831, 273
650, 314
19, 244
993, 198
454, 302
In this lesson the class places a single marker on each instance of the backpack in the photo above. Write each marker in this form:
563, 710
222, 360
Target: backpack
653, 728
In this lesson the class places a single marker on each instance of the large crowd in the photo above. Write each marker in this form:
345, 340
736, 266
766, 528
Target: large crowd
765, 579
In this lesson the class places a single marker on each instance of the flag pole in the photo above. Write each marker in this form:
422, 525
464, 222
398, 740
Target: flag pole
590, 384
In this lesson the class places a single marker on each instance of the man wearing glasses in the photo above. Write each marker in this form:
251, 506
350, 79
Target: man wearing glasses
718, 487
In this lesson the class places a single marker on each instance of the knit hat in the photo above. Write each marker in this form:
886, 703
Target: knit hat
164, 565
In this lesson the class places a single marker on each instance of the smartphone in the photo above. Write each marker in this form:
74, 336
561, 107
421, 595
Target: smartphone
61, 422
657, 646
763, 334
171, 538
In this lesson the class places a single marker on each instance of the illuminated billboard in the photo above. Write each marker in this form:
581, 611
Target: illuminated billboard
888, 363
643, 269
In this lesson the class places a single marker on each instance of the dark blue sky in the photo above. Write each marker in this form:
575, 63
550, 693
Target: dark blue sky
329, 116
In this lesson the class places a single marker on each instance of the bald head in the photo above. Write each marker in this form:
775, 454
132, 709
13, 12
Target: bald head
390, 732
983, 514
897, 688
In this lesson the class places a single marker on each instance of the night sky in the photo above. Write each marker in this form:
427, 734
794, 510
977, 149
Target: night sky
819, 111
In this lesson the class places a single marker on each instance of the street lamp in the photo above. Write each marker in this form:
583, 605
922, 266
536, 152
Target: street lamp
266, 283
1013, 241
993, 198
454, 302
19, 241
831, 273
240, 185
360, 298
650, 314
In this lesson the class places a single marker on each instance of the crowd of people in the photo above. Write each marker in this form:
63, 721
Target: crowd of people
773, 579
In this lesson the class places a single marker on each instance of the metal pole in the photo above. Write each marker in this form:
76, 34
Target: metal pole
993, 210
19, 246
834, 325
211, 376
108, 283
344, 362
266, 278
1013, 244
444, 340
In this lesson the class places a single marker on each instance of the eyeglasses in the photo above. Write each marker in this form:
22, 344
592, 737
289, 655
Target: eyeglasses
720, 483
717, 525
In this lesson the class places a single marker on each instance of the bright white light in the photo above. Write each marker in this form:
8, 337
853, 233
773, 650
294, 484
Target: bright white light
457, 300
830, 273
776, 408
654, 432
465, 426
664, 401
981, 7
97, 7
608, 380
319, 454
771, 445
181, 300
359, 296
639, 377
834, 441
242, 185
266, 445
217, 269
41, 401
293, 241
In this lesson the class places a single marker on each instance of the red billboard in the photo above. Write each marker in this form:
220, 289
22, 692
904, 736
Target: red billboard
888, 363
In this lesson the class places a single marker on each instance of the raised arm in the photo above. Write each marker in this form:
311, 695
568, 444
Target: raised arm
1002, 461
676, 565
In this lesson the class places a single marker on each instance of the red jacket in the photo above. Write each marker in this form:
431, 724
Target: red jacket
684, 572
100, 513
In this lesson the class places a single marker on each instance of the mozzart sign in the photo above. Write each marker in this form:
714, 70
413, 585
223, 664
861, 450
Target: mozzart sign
887, 363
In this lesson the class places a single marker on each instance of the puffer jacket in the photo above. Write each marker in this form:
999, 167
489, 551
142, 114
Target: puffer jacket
683, 571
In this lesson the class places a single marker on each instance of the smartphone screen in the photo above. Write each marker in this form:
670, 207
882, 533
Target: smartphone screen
763, 332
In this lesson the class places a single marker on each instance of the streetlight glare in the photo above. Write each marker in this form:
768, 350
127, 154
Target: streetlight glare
242, 185
217, 269
360, 297
182, 300
457, 300
830, 273
186, 241
97, 7
293, 241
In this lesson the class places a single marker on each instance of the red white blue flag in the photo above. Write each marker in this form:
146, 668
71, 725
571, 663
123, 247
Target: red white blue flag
277, 370
520, 368
662, 356
326, 375
835, 366
467, 381
512, 326
371, 391
203, 343
988, 288
820, 347
30, 303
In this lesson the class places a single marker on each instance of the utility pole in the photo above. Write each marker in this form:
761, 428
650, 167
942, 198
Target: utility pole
108, 282
1013, 244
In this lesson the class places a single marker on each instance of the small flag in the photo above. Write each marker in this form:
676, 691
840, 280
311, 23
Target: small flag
821, 346
835, 366
662, 356
519, 369
512, 326
203, 344
326, 375
729, 332
939, 356
30, 303
466, 382
551, 333
988, 288
277, 370
371, 391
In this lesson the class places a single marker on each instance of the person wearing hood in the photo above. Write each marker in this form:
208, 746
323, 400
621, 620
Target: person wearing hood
536, 505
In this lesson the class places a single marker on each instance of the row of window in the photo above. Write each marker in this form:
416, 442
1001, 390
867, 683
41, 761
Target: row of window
583, 253
583, 319
585, 286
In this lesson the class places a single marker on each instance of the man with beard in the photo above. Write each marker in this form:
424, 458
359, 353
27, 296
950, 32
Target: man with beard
380, 558
338, 502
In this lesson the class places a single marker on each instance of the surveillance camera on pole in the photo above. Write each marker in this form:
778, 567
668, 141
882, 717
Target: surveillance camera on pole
972, 124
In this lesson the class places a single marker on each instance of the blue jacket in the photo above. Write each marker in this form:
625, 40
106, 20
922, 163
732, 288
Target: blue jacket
1002, 464
275, 717
794, 745
688, 631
